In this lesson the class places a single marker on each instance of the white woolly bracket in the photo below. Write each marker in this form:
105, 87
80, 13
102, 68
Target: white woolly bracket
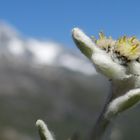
44, 132
80, 36
84, 43
106, 66
102, 61
123, 103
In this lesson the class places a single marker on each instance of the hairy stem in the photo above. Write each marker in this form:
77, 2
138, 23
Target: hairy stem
101, 123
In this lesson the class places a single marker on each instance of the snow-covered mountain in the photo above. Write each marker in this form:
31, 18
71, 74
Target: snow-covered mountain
40, 52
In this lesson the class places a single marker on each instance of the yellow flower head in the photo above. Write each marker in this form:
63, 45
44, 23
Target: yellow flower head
128, 47
125, 49
104, 43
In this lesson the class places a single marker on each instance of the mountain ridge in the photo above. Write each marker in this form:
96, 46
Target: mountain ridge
41, 52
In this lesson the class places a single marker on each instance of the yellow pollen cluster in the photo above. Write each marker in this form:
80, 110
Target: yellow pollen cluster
103, 42
128, 47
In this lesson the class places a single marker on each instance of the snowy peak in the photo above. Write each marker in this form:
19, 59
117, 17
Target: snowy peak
40, 52
8, 31
44, 52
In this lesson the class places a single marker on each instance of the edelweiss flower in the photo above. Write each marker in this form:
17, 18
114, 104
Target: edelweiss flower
118, 60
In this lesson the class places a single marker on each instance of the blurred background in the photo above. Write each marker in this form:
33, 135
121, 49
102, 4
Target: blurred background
44, 76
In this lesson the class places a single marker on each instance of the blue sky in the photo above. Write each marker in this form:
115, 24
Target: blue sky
54, 19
